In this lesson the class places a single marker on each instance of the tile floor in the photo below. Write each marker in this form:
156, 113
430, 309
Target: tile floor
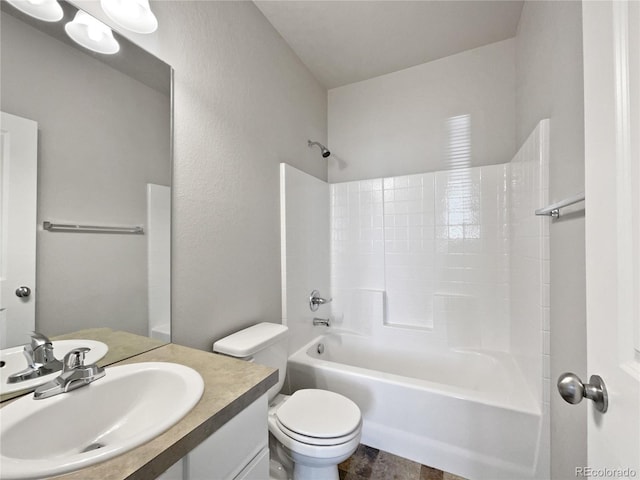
372, 464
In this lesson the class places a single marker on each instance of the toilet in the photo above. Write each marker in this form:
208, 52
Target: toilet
312, 430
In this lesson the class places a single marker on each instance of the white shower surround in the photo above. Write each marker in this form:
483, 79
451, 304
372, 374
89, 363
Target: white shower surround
436, 244
489, 253
159, 261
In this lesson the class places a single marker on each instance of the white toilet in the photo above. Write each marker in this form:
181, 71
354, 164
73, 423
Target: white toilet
313, 430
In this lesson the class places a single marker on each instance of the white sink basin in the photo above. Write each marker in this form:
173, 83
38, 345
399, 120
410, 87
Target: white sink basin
129, 406
15, 361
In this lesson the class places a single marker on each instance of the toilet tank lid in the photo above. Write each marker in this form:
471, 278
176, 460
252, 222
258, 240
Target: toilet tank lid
251, 340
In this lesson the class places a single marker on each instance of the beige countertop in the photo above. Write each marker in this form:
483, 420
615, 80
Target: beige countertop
230, 385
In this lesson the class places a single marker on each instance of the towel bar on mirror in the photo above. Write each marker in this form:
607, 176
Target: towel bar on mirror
60, 227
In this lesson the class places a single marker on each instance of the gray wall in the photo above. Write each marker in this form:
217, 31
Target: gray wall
454, 112
243, 103
102, 137
550, 84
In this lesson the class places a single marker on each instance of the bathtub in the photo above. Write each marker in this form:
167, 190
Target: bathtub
467, 412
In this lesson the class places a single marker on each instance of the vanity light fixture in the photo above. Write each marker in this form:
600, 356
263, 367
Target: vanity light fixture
92, 34
45, 10
134, 15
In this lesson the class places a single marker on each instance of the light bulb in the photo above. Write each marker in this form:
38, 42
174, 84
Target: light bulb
134, 15
45, 10
92, 34
131, 9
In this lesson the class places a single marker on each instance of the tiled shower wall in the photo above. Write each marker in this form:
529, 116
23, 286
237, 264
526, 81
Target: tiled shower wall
436, 244
530, 276
530, 261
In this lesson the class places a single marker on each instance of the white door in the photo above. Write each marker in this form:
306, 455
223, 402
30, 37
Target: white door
18, 190
612, 161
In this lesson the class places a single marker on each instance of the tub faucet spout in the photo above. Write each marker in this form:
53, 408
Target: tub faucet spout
322, 321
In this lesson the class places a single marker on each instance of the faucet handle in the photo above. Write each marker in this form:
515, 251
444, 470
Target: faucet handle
315, 300
74, 359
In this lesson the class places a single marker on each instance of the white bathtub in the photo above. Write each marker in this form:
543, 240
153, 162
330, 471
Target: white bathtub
466, 412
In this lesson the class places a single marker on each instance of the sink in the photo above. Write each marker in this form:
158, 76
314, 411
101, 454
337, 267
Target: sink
14, 361
129, 406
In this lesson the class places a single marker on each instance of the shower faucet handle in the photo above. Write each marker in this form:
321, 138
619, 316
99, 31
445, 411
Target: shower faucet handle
315, 300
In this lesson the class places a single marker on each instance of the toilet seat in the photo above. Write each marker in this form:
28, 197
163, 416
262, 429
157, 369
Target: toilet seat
316, 440
310, 411
317, 452
319, 417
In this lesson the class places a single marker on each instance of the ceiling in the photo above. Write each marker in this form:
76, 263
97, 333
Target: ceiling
342, 42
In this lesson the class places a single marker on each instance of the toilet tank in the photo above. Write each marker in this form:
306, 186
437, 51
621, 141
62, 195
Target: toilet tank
264, 343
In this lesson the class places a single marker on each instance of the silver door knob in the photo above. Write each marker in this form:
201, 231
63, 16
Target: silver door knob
23, 292
573, 390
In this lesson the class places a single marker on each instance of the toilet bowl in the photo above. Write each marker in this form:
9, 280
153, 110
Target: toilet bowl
312, 430
316, 430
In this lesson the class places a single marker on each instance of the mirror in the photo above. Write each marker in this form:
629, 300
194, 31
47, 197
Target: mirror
103, 161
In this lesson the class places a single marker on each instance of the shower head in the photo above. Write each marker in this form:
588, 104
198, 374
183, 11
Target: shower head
324, 150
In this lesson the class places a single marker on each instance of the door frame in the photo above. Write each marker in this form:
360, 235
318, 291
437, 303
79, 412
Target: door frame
612, 229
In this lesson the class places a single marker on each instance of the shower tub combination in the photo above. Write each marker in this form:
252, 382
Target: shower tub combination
468, 412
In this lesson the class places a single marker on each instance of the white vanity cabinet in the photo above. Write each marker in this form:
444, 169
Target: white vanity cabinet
238, 450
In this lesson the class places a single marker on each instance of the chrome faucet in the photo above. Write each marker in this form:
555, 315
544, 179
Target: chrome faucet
322, 321
75, 374
315, 300
40, 359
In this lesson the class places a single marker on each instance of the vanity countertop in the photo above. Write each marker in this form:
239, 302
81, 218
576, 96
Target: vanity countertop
230, 386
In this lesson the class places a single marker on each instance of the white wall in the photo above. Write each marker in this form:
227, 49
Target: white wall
243, 103
304, 205
550, 85
409, 121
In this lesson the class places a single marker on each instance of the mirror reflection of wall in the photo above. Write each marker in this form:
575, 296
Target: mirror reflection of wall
104, 151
